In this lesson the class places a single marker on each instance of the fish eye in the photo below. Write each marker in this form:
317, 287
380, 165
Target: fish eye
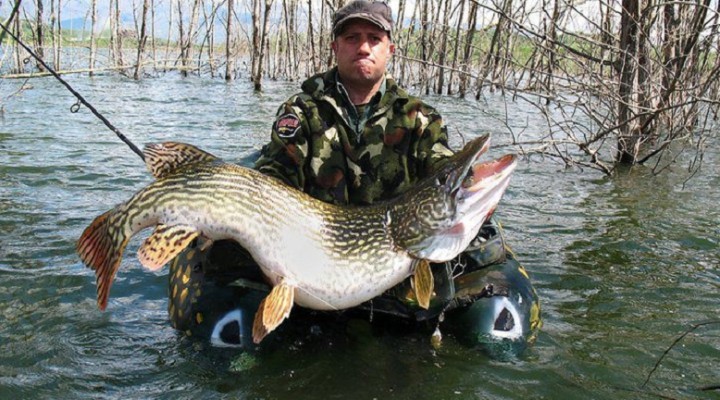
468, 181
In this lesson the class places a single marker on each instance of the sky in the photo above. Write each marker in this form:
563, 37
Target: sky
75, 13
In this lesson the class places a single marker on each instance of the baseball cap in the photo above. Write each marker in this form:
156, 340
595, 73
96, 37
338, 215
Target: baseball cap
377, 12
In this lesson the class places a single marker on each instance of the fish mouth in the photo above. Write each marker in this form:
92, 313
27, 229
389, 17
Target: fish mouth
486, 174
475, 178
479, 192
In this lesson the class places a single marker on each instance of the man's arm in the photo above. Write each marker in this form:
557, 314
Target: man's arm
284, 156
432, 148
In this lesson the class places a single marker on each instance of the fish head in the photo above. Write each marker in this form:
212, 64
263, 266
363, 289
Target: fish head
439, 217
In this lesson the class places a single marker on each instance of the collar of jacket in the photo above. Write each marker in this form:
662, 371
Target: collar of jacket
323, 87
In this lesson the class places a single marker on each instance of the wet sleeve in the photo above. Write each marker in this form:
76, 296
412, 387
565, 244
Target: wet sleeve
284, 156
432, 149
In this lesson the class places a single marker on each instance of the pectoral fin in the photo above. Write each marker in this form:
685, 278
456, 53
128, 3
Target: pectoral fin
164, 244
422, 283
273, 310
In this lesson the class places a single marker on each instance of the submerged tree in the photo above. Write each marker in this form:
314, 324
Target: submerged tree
93, 39
229, 58
187, 35
617, 81
262, 40
142, 39
39, 49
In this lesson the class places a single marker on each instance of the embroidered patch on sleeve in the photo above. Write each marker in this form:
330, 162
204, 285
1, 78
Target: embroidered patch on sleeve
287, 125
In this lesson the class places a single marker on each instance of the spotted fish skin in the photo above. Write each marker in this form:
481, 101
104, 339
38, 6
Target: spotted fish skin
331, 257
317, 248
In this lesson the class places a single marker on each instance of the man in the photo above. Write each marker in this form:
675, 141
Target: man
352, 136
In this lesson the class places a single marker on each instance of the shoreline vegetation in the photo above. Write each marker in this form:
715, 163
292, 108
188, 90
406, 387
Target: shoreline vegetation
617, 82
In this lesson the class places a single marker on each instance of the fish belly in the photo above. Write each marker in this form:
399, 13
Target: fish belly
323, 283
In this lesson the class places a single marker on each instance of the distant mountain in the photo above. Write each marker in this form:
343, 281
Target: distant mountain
79, 23
127, 20
75, 23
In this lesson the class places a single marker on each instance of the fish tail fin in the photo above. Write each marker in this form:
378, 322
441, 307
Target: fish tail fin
100, 247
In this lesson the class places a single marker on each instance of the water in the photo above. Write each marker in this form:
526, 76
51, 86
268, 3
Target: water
623, 266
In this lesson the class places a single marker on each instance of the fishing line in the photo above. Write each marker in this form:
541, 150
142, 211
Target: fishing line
81, 100
676, 341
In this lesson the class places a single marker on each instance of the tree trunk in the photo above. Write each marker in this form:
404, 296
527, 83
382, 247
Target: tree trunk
551, 50
257, 81
467, 51
294, 44
229, 59
606, 36
494, 57
274, 63
188, 41
323, 47
181, 33
39, 50
543, 60
406, 45
283, 65
424, 22
289, 10
187, 37
644, 90
256, 46
118, 35
209, 38
397, 29
167, 43
53, 36
456, 47
57, 42
628, 139
669, 47
113, 32
10, 21
311, 37
142, 39
19, 65
93, 38
268, 58
326, 15
153, 48
442, 55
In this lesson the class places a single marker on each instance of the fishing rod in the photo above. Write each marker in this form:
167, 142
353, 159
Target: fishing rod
81, 100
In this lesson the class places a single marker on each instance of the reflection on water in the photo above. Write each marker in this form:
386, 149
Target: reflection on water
623, 265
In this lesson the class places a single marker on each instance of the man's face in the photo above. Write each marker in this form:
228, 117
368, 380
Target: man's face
362, 50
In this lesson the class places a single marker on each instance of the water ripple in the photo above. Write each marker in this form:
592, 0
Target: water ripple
622, 264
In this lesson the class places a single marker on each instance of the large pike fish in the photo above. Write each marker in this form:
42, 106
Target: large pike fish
314, 254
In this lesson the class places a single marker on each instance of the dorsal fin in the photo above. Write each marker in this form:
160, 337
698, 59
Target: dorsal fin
164, 158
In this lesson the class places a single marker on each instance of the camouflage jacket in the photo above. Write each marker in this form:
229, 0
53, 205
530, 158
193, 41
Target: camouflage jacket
315, 147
